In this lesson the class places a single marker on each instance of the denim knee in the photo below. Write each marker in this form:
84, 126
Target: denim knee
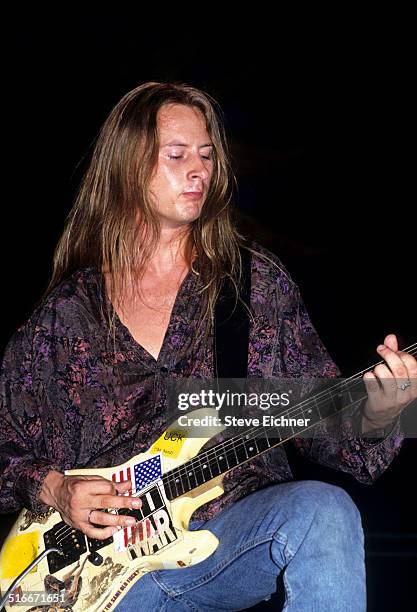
334, 500
334, 508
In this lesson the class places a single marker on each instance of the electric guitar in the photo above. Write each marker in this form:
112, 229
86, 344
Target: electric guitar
172, 479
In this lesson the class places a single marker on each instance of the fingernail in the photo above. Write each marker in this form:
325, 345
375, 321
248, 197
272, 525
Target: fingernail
381, 347
114, 530
136, 503
130, 521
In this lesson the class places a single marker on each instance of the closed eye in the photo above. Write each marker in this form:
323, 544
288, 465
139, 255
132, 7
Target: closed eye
207, 157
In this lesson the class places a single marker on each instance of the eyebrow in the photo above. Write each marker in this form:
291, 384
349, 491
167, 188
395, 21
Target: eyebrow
183, 144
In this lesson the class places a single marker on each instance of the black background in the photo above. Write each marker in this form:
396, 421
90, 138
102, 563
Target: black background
319, 124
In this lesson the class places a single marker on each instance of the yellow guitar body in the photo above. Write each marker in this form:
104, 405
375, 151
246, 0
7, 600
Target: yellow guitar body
87, 586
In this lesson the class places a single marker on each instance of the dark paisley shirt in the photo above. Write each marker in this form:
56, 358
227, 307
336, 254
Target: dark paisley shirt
73, 396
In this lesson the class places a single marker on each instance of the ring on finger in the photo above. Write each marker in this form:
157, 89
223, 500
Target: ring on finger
89, 516
405, 385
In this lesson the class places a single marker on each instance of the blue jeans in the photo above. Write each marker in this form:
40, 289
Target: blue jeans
310, 531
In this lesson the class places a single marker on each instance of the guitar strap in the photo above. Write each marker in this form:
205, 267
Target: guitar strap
231, 326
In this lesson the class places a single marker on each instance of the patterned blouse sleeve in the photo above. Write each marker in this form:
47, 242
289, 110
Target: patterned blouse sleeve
336, 441
23, 461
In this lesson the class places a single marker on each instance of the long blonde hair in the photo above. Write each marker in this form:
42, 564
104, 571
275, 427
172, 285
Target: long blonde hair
102, 228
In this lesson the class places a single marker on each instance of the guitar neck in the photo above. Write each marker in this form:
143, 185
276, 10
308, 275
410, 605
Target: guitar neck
257, 440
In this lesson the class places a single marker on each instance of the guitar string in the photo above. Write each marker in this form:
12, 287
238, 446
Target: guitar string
232, 442
342, 385
229, 444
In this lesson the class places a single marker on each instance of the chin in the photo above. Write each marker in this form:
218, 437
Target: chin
179, 221
189, 213
181, 215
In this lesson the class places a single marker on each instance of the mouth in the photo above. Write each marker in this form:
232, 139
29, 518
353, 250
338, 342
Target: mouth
193, 195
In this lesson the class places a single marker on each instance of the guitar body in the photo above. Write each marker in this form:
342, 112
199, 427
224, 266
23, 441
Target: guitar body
95, 574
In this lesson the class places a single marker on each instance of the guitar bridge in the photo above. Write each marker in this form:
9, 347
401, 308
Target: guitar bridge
71, 541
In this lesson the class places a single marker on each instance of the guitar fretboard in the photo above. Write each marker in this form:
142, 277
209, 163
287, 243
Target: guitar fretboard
235, 451
232, 452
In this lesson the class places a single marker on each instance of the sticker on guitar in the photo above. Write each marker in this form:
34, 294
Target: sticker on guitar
154, 529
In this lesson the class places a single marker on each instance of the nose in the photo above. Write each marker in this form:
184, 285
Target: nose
198, 168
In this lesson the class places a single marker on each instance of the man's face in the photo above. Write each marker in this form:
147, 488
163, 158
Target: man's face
181, 179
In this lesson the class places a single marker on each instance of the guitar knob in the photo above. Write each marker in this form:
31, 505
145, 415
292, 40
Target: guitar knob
95, 558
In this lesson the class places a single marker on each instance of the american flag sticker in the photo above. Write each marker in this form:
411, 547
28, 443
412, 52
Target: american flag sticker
147, 472
144, 474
